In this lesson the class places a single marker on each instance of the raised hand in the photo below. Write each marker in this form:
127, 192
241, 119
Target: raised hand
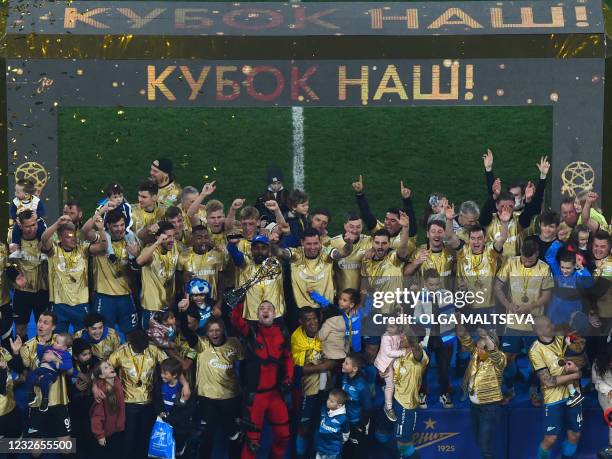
63, 220
271, 205
162, 238
358, 185
238, 203
421, 256
530, 190
404, 220
16, 344
209, 188
543, 166
496, 188
592, 197
184, 303
404, 191
487, 160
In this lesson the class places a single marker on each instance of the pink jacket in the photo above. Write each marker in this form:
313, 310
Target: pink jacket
389, 351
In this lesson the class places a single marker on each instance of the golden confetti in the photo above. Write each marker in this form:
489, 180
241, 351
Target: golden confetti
120, 112
115, 84
214, 169
83, 120
500, 92
554, 96
79, 72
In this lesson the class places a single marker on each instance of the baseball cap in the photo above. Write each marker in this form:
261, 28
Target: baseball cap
261, 239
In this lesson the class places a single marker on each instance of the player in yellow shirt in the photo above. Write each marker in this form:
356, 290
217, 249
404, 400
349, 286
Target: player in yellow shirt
103, 340
392, 217
436, 254
194, 213
203, 261
55, 422
347, 270
503, 200
523, 287
158, 262
11, 423
307, 355
68, 270
33, 295
312, 266
147, 213
408, 373
477, 262
547, 356
383, 271
136, 362
600, 315
113, 280
162, 173
319, 220
218, 386
182, 235
248, 263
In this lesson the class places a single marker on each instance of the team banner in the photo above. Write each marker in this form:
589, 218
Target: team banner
275, 19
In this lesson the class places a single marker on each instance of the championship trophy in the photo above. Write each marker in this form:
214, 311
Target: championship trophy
269, 269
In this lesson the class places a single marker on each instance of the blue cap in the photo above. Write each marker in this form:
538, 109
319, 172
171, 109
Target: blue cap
261, 239
197, 287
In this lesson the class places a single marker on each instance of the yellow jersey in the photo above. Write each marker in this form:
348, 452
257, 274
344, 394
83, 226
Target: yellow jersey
443, 262
547, 355
266, 290
68, 274
136, 371
32, 266
407, 375
58, 391
113, 278
216, 376
525, 285
142, 218
603, 270
512, 246
206, 266
395, 240
108, 344
384, 275
168, 195
478, 271
158, 280
312, 274
7, 400
347, 270
308, 351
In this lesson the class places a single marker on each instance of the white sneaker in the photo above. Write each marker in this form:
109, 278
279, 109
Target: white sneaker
423, 401
446, 400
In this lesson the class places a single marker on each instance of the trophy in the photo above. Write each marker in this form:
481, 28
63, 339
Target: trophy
269, 269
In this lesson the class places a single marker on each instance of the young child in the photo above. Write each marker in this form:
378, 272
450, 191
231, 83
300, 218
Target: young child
391, 347
197, 293
25, 199
439, 339
162, 328
115, 200
170, 406
108, 417
342, 334
569, 276
53, 359
578, 242
359, 403
334, 427
436, 205
297, 217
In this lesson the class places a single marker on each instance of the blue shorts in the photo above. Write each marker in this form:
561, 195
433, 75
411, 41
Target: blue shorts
515, 343
70, 315
558, 415
406, 422
310, 409
119, 309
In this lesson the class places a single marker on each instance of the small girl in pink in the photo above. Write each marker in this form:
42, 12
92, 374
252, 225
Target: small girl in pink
392, 346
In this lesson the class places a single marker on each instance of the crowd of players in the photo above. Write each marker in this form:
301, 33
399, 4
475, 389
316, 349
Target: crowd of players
132, 325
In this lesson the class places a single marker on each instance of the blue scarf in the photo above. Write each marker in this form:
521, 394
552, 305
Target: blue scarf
352, 327
90, 340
